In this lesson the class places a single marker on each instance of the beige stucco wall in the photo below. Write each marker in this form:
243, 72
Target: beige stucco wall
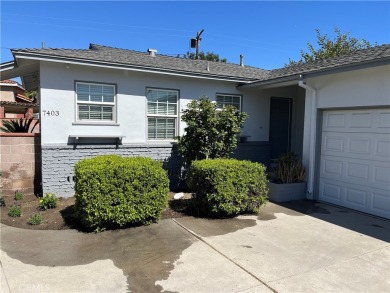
7, 95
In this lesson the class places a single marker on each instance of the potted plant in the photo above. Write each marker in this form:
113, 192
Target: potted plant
287, 180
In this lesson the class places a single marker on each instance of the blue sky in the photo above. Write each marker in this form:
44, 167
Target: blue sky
267, 33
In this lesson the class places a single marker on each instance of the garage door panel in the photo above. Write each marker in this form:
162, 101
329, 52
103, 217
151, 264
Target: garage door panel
356, 197
384, 119
357, 171
382, 174
333, 143
359, 145
368, 146
355, 160
382, 148
381, 203
334, 120
360, 172
375, 120
361, 198
361, 120
331, 191
332, 168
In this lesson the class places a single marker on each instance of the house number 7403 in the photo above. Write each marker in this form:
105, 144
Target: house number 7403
51, 113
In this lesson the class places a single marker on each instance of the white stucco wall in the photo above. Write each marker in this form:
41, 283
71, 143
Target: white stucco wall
58, 94
362, 88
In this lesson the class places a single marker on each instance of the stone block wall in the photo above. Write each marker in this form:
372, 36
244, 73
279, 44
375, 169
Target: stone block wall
20, 163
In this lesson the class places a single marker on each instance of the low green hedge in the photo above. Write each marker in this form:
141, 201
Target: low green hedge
115, 191
227, 186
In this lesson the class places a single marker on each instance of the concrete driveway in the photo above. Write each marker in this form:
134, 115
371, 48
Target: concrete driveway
298, 247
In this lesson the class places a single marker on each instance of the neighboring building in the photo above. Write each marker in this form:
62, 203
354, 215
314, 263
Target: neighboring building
13, 101
335, 113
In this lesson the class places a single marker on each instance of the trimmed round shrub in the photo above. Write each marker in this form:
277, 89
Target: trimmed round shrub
227, 186
114, 191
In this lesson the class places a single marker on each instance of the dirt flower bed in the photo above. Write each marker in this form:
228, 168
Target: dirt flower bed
61, 217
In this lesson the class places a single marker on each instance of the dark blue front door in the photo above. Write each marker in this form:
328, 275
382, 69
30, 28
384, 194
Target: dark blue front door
280, 126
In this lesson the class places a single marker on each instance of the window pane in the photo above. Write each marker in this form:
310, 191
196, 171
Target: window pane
83, 115
223, 101
162, 103
161, 109
172, 97
108, 98
107, 113
96, 89
107, 116
82, 88
152, 108
152, 95
95, 98
82, 97
151, 128
162, 96
108, 94
161, 128
108, 90
172, 109
95, 93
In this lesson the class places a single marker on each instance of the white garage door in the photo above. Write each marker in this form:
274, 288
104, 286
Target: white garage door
355, 160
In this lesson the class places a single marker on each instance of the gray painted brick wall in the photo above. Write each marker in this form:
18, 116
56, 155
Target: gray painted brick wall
58, 161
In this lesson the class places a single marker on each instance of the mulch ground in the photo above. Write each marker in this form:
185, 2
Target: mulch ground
61, 217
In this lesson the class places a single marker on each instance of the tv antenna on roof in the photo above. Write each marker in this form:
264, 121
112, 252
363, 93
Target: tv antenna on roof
196, 42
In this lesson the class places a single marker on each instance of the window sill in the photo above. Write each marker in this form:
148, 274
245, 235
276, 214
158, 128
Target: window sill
161, 140
96, 123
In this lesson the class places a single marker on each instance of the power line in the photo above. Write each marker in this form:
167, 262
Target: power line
94, 22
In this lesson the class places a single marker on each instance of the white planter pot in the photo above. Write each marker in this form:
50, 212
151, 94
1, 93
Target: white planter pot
286, 191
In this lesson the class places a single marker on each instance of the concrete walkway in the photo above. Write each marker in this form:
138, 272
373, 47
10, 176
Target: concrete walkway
298, 247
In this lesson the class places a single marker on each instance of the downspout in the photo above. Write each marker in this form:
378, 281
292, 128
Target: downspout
312, 138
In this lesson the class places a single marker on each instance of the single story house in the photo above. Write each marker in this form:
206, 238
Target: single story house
335, 114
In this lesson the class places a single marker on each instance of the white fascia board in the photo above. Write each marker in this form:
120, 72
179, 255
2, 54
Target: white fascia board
124, 67
7, 66
8, 84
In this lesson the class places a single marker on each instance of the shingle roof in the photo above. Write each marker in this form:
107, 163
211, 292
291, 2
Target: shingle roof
11, 103
23, 98
160, 62
373, 54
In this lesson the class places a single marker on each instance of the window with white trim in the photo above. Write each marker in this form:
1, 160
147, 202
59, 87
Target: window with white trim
162, 113
95, 102
228, 100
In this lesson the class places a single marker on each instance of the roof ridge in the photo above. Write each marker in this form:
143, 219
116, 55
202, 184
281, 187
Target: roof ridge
97, 46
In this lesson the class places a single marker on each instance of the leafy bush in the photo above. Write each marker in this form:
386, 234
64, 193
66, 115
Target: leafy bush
15, 211
35, 219
116, 191
19, 195
2, 202
49, 201
227, 186
289, 169
210, 133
